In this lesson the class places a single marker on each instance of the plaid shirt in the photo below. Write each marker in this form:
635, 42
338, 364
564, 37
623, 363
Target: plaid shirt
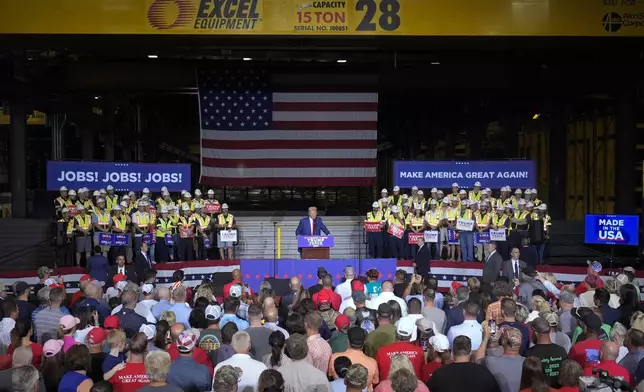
493, 312
319, 352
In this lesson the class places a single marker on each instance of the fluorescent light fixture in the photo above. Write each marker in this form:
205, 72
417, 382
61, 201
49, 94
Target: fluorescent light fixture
247, 59
435, 63
342, 61
153, 56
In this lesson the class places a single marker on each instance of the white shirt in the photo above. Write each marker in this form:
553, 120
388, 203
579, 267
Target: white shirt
414, 318
344, 289
275, 327
587, 299
141, 310
470, 328
515, 267
346, 303
81, 334
386, 297
311, 225
148, 303
111, 292
7, 324
251, 370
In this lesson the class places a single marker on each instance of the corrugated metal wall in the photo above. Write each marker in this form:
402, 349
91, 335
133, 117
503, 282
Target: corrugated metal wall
534, 145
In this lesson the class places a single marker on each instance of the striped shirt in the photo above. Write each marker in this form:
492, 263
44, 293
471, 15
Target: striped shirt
47, 322
319, 352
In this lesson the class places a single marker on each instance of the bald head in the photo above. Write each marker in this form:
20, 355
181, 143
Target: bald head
295, 283
387, 287
609, 351
270, 314
163, 293
176, 329
22, 356
237, 275
327, 281
269, 303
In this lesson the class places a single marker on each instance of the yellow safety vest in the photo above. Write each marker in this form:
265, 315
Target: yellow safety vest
417, 222
89, 206
204, 221
396, 222
164, 226
432, 217
452, 213
143, 219
520, 214
466, 214
547, 222
482, 221
536, 202
83, 222
69, 229
374, 218
103, 218
120, 223
110, 202
396, 202
174, 219
500, 222
225, 220
475, 196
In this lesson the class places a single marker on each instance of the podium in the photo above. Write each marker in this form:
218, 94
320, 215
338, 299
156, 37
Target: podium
315, 246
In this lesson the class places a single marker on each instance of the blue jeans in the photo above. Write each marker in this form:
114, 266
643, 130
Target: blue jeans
466, 239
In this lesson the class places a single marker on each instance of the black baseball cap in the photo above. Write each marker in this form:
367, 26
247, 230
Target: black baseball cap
21, 287
592, 322
384, 310
580, 312
322, 272
357, 336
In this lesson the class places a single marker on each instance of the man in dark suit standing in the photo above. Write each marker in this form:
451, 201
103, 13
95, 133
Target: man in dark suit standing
422, 261
121, 268
528, 254
512, 268
311, 225
142, 261
493, 264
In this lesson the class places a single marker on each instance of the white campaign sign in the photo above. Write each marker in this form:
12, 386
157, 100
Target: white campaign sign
228, 236
464, 224
431, 236
497, 235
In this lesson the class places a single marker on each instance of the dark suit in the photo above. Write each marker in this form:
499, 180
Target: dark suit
141, 264
423, 260
508, 269
129, 272
304, 228
455, 316
529, 255
492, 267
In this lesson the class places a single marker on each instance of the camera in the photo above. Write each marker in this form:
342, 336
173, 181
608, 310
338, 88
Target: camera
603, 382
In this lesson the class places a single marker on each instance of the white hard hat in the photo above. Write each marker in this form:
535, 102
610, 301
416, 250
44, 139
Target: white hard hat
420, 192
116, 208
185, 207
110, 188
414, 188
384, 200
126, 197
440, 192
534, 191
383, 190
405, 197
408, 204
102, 191
477, 183
183, 192
164, 210
521, 202
529, 204
143, 203
375, 205
146, 190
187, 194
124, 204
462, 192
455, 185
224, 206
164, 189
96, 193
394, 208
396, 189
131, 193
165, 193
488, 190
517, 192
417, 206
80, 207
197, 192
485, 192
543, 207
528, 192
101, 200
211, 192
62, 188
432, 202
434, 190
446, 200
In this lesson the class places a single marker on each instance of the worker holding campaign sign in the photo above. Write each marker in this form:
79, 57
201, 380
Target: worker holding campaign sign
465, 227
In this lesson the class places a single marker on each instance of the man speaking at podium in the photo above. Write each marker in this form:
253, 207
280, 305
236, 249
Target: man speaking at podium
311, 225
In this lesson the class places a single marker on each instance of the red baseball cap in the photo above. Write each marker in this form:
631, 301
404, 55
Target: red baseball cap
118, 277
96, 336
357, 285
456, 285
85, 278
112, 322
342, 322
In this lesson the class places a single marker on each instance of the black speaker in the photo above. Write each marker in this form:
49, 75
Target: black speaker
280, 286
536, 231
219, 279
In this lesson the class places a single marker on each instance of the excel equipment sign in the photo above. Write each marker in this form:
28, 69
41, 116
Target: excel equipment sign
206, 15
442, 174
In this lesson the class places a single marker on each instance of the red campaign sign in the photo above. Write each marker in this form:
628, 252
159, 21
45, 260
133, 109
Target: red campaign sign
414, 238
396, 231
372, 227
212, 208
72, 210
185, 232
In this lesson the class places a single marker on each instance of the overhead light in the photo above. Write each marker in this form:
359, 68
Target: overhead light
247, 59
153, 56
97, 97
342, 61
536, 116
435, 63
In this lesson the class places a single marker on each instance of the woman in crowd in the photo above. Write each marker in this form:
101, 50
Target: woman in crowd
617, 335
270, 380
295, 324
533, 379
569, 374
77, 364
161, 337
629, 299
157, 366
21, 337
399, 362
66, 331
53, 367
396, 313
341, 366
132, 375
277, 357
88, 320
539, 305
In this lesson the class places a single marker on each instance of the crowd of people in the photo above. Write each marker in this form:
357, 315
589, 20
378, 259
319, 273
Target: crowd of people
182, 229
363, 334
521, 215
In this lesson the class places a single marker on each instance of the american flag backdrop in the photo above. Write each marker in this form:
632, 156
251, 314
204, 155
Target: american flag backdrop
253, 134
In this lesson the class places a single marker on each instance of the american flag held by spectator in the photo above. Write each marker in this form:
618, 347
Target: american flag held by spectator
254, 136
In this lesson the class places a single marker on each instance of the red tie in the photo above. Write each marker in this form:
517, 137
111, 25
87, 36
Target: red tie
312, 227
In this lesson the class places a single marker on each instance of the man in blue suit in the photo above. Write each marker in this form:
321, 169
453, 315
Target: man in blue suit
311, 225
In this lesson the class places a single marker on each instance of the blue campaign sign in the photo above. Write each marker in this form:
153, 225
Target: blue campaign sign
442, 174
122, 176
612, 229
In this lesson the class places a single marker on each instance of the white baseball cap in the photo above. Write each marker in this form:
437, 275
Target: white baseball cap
439, 342
406, 327
235, 291
147, 288
375, 205
149, 330
213, 312
396, 189
63, 188
477, 183
121, 285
